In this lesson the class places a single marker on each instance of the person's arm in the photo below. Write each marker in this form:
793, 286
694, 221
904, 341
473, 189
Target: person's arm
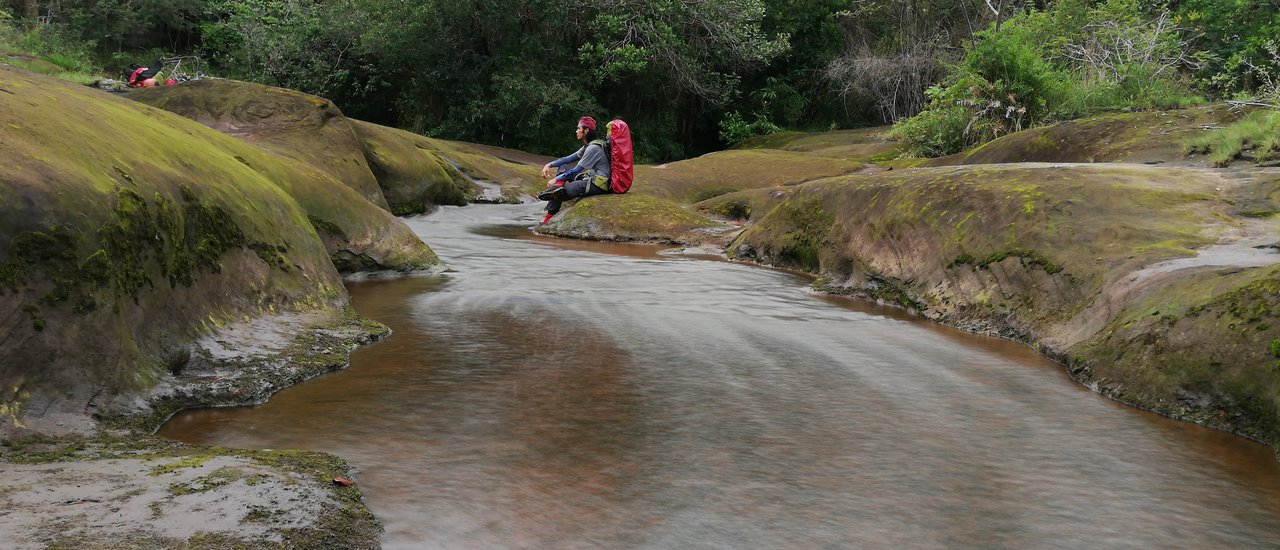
566, 160
546, 170
593, 154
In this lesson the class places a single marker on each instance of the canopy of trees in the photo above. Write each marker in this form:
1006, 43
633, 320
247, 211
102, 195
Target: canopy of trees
692, 75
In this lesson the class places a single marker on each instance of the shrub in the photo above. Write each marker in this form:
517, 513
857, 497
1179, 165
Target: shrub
735, 129
936, 131
1074, 59
1007, 65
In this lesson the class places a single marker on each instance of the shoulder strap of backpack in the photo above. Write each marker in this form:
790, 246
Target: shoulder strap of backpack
604, 147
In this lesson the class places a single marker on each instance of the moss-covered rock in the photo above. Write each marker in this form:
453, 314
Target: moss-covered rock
486, 173
1091, 219
631, 217
289, 123
127, 232
140, 491
30, 62
1143, 137
397, 170
715, 174
304, 145
861, 145
516, 174
1204, 346
745, 206
411, 171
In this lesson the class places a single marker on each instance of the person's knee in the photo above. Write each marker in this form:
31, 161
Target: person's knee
575, 188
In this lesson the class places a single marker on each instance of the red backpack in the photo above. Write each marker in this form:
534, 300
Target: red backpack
620, 163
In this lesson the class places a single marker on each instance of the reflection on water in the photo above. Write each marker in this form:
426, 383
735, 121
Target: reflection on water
548, 396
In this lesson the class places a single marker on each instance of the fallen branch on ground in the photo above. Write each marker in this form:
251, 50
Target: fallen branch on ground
1252, 103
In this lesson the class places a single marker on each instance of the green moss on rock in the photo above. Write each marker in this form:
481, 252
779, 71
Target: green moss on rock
725, 172
628, 217
861, 145
1150, 136
1202, 348
340, 518
411, 171
102, 240
298, 126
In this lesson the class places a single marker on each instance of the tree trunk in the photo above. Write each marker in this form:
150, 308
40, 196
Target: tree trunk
30, 9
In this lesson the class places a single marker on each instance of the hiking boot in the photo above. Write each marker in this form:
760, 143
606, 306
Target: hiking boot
551, 192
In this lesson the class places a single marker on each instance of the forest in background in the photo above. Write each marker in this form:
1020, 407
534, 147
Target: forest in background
695, 75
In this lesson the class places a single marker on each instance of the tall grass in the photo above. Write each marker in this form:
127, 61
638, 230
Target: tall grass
1257, 136
47, 50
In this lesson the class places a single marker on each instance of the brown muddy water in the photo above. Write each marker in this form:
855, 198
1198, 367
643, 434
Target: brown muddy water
555, 394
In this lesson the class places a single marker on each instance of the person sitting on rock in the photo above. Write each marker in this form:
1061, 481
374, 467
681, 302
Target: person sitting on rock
589, 176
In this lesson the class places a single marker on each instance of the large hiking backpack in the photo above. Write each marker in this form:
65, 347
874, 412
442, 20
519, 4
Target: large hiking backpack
620, 165
136, 75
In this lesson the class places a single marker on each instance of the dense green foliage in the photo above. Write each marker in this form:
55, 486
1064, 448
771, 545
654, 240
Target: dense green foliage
1072, 59
1237, 39
690, 76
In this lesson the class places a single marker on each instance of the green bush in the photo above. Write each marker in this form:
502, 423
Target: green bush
1003, 84
1071, 60
936, 131
735, 129
1007, 66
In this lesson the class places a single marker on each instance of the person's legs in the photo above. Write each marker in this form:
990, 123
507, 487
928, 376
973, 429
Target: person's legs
572, 190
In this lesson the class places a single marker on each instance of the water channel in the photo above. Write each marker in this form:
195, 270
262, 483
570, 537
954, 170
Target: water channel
558, 394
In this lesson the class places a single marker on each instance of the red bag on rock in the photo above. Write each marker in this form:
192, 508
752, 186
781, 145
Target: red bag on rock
620, 157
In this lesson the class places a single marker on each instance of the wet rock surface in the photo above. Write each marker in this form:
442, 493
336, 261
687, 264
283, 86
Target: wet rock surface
153, 493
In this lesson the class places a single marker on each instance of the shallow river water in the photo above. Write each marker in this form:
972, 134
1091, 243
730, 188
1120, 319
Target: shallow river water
557, 394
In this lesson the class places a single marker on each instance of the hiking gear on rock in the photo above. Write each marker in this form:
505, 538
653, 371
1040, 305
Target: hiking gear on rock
138, 76
174, 70
620, 156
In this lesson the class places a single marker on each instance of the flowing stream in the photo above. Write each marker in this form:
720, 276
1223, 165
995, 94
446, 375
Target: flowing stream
549, 393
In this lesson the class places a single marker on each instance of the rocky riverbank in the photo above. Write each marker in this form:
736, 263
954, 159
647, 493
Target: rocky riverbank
153, 260
97, 480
